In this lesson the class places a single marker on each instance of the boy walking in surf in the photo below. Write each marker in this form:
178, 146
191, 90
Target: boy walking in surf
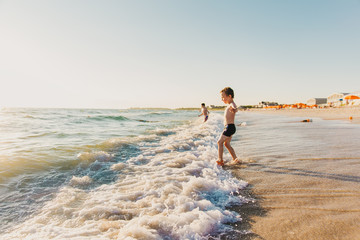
227, 96
205, 112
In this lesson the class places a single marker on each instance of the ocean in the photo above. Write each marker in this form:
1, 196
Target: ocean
114, 174
149, 173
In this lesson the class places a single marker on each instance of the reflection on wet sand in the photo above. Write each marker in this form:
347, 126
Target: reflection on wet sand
305, 199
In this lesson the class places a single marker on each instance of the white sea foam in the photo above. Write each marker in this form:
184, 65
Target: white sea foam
80, 181
118, 166
179, 193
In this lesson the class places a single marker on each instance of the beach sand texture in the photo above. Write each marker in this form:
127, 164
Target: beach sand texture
296, 203
351, 114
304, 198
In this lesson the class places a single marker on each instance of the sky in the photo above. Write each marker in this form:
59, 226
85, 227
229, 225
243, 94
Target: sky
167, 53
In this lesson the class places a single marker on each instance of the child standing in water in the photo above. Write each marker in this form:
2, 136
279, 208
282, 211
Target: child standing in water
227, 96
204, 112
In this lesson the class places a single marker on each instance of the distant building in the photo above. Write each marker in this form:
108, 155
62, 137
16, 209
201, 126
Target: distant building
316, 101
336, 99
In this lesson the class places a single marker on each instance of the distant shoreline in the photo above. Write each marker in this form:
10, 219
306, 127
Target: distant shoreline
210, 109
351, 114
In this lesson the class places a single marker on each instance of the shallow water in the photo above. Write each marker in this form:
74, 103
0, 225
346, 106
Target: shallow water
113, 174
146, 174
282, 138
305, 177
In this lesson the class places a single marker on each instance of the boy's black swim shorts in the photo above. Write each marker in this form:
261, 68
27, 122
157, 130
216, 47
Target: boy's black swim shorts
229, 130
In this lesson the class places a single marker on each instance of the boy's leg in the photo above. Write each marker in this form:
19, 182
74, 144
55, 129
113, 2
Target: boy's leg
229, 148
221, 142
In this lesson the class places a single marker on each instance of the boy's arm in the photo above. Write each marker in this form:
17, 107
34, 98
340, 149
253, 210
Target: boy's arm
233, 107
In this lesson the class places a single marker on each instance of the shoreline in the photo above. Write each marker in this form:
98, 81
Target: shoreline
341, 113
310, 198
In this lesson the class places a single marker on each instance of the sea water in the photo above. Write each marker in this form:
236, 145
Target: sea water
150, 173
113, 174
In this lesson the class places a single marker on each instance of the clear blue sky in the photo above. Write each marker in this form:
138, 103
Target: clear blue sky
164, 53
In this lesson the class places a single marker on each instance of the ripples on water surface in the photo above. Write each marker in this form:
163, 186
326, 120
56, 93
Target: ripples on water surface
142, 174
112, 174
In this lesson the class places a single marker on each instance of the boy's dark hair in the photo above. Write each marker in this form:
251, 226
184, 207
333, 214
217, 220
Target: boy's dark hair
228, 91
203, 104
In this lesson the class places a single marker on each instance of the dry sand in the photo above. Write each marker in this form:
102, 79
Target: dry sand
315, 199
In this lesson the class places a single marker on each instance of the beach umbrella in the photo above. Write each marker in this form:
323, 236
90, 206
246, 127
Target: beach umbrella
351, 97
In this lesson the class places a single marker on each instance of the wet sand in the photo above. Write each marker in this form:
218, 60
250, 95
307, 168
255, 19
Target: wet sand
316, 198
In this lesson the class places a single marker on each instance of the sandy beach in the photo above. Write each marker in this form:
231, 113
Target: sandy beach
351, 114
314, 198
